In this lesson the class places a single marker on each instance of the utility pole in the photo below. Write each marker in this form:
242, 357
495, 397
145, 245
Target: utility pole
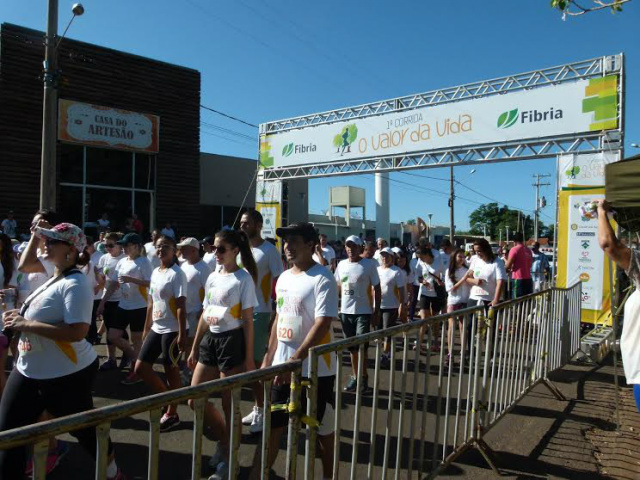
537, 210
452, 197
49, 111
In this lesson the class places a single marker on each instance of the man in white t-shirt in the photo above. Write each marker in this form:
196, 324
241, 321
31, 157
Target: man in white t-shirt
270, 267
209, 257
381, 243
307, 304
150, 248
325, 254
359, 286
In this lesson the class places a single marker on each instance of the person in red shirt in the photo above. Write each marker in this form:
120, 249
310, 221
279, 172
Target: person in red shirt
519, 264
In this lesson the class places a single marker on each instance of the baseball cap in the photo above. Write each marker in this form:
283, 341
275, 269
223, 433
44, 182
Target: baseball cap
189, 242
397, 250
353, 239
208, 240
386, 250
306, 230
130, 238
66, 232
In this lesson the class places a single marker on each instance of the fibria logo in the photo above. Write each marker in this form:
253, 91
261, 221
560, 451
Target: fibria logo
509, 118
290, 148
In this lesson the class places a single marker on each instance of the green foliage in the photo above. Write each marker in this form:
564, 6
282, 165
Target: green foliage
570, 7
411, 221
497, 218
337, 141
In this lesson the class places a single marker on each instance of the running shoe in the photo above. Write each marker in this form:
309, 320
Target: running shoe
364, 385
385, 361
110, 364
256, 424
167, 422
131, 379
119, 476
217, 457
248, 420
222, 471
125, 363
352, 385
53, 458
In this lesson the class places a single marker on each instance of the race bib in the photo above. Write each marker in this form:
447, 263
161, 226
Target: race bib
350, 289
214, 315
159, 310
290, 329
29, 345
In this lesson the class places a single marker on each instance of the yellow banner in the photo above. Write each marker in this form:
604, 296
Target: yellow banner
271, 219
579, 255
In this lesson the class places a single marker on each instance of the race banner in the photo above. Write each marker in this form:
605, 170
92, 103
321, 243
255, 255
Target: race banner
577, 107
580, 258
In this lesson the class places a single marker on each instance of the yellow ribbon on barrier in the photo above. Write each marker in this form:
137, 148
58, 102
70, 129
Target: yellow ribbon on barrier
294, 407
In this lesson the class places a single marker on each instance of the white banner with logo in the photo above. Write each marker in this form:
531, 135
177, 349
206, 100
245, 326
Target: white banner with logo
269, 191
584, 170
580, 106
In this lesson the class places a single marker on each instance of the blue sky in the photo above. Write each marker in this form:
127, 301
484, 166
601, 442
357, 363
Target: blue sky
267, 60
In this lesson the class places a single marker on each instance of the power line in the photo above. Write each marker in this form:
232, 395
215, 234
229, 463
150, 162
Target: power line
228, 116
229, 131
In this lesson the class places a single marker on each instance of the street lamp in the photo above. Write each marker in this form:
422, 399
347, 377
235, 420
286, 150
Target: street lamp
49, 104
429, 215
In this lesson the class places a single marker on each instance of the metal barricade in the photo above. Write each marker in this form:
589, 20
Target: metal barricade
432, 409
39, 434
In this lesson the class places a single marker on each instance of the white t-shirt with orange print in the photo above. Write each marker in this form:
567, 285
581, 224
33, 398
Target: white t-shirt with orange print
270, 266
226, 296
167, 284
301, 299
133, 296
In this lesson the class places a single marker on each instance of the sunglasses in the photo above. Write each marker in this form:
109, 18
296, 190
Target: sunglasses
53, 241
110, 245
220, 250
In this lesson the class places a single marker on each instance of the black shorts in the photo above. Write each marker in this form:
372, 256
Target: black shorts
134, 319
430, 303
225, 351
389, 317
160, 343
110, 314
280, 395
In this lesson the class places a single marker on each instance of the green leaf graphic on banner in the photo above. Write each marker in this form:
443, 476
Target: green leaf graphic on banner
287, 150
507, 119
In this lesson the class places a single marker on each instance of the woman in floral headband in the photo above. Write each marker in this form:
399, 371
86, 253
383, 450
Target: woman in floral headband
55, 359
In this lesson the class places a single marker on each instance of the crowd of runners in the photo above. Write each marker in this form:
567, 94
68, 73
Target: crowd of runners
213, 308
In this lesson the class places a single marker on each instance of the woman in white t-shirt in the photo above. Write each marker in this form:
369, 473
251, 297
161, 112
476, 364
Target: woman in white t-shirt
133, 278
487, 276
8, 294
458, 290
165, 329
429, 278
57, 366
393, 282
223, 345
402, 261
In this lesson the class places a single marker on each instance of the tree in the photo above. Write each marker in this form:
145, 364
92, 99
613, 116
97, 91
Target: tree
411, 221
496, 219
573, 8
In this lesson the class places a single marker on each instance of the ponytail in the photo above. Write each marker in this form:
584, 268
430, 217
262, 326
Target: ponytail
239, 239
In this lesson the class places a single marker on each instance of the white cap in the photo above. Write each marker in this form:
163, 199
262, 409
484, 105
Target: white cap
386, 250
189, 242
396, 250
353, 239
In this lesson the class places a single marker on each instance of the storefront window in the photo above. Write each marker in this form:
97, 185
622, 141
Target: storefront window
145, 171
71, 163
109, 167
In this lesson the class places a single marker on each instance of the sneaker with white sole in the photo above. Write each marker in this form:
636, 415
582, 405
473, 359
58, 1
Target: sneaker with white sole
167, 422
248, 420
256, 425
222, 471
217, 457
